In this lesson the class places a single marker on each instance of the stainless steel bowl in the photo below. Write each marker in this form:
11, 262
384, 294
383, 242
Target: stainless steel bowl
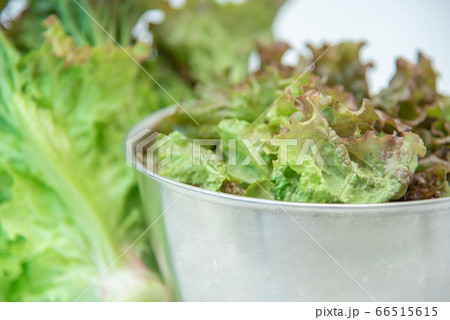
218, 247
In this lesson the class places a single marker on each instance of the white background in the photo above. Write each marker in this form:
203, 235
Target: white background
392, 28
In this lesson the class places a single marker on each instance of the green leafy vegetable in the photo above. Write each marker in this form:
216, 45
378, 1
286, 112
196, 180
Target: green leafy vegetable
117, 17
244, 142
341, 65
209, 173
67, 207
204, 42
198, 43
263, 189
412, 87
341, 151
350, 170
412, 98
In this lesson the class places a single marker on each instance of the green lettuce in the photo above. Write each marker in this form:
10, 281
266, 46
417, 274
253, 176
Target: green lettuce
411, 89
341, 66
209, 173
238, 137
198, 43
430, 180
68, 205
413, 99
117, 17
349, 170
349, 149
246, 101
263, 189
203, 42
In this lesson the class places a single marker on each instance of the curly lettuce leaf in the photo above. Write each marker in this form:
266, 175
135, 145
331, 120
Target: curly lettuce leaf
338, 107
369, 169
286, 105
246, 101
341, 66
412, 98
390, 157
411, 89
210, 173
335, 123
430, 180
238, 138
330, 165
347, 120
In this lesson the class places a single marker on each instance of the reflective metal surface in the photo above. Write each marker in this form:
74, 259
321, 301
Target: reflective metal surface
219, 247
